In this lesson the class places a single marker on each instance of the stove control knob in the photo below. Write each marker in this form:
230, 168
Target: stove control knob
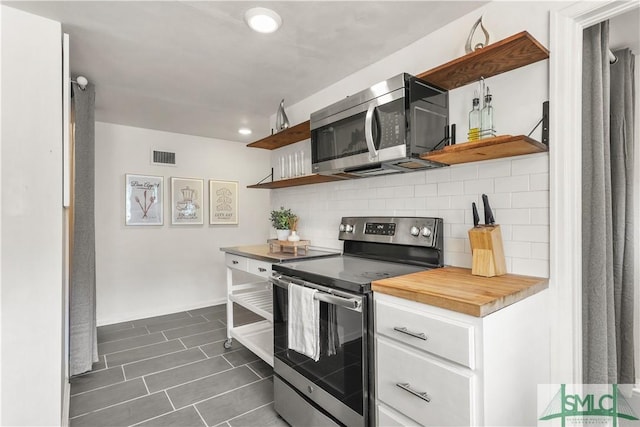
342, 227
426, 231
348, 228
415, 231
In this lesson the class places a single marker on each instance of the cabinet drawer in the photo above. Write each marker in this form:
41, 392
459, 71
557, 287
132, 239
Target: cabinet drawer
443, 337
259, 268
448, 389
235, 261
385, 417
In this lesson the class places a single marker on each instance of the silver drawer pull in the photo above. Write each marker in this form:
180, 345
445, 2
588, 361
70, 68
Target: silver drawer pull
234, 262
404, 330
421, 394
262, 269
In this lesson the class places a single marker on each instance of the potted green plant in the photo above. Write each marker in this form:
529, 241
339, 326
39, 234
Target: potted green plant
280, 221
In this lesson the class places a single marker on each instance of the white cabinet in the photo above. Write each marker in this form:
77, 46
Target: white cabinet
440, 367
254, 295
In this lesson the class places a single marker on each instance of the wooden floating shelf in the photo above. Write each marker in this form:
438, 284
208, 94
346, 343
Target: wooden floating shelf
300, 180
291, 135
486, 149
505, 55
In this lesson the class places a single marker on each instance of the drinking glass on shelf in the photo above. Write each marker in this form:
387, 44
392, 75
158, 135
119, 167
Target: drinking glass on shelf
283, 167
291, 170
301, 163
296, 169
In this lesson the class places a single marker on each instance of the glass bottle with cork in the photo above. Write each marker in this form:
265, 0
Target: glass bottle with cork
475, 120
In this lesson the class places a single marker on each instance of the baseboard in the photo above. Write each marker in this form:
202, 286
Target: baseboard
66, 397
127, 317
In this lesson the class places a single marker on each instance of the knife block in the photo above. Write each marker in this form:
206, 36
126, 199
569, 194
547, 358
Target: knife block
487, 251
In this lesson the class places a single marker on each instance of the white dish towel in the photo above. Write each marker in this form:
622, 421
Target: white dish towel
304, 321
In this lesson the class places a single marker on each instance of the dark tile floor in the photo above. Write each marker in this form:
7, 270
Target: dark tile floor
173, 370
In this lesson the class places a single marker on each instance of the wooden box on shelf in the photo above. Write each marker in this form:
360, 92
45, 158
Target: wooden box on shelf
283, 246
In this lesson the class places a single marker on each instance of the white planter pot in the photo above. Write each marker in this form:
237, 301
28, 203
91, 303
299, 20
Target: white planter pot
283, 234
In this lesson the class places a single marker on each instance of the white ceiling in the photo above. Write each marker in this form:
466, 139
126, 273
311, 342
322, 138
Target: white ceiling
196, 68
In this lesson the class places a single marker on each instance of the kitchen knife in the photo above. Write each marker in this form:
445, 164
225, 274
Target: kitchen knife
488, 214
476, 217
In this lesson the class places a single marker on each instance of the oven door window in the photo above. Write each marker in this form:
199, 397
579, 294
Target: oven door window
339, 371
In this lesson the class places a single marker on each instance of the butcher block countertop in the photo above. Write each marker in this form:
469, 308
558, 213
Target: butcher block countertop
263, 253
456, 289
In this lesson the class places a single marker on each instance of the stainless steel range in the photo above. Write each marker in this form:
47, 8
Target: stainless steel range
337, 389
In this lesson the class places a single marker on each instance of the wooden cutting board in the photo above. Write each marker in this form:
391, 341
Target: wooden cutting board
455, 288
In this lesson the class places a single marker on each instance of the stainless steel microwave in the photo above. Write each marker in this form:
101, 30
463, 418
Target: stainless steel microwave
382, 129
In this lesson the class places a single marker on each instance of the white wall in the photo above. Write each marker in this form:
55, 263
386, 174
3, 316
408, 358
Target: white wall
31, 221
518, 188
150, 270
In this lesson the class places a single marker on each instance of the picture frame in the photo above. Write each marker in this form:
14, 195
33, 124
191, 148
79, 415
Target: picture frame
187, 202
223, 202
144, 200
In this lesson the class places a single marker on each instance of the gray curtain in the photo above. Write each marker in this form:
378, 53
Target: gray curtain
607, 215
83, 351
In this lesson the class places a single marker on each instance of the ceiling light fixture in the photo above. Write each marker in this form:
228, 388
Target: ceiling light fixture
244, 131
262, 20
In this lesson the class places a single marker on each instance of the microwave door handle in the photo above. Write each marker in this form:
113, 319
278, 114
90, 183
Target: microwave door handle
368, 132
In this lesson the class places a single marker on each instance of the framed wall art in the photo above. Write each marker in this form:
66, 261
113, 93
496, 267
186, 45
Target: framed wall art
223, 202
186, 201
143, 200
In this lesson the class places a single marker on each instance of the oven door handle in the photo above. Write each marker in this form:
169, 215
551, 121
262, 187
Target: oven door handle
350, 303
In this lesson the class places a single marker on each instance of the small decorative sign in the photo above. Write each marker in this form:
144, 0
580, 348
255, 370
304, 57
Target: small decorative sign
186, 201
143, 200
223, 202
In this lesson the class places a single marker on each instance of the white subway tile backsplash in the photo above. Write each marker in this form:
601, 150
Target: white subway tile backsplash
455, 245
438, 202
531, 233
498, 200
454, 188
530, 267
494, 169
452, 216
460, 231
411, 178
512, 216
391, 192
479, 186
517, 249
437, 175
406, 203
540, 251
463, 172
426, 190
540, 216
530, 199
507, 232
511, 184
378, 204
518, 190
459, 259
539, 181
530, 164
464, 202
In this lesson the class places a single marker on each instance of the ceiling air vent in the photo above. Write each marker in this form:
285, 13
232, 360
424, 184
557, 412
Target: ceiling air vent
163, 158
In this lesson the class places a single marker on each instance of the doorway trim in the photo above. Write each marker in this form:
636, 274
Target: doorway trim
565, 175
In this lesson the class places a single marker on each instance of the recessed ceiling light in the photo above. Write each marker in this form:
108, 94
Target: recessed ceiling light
244, 131
262, 20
